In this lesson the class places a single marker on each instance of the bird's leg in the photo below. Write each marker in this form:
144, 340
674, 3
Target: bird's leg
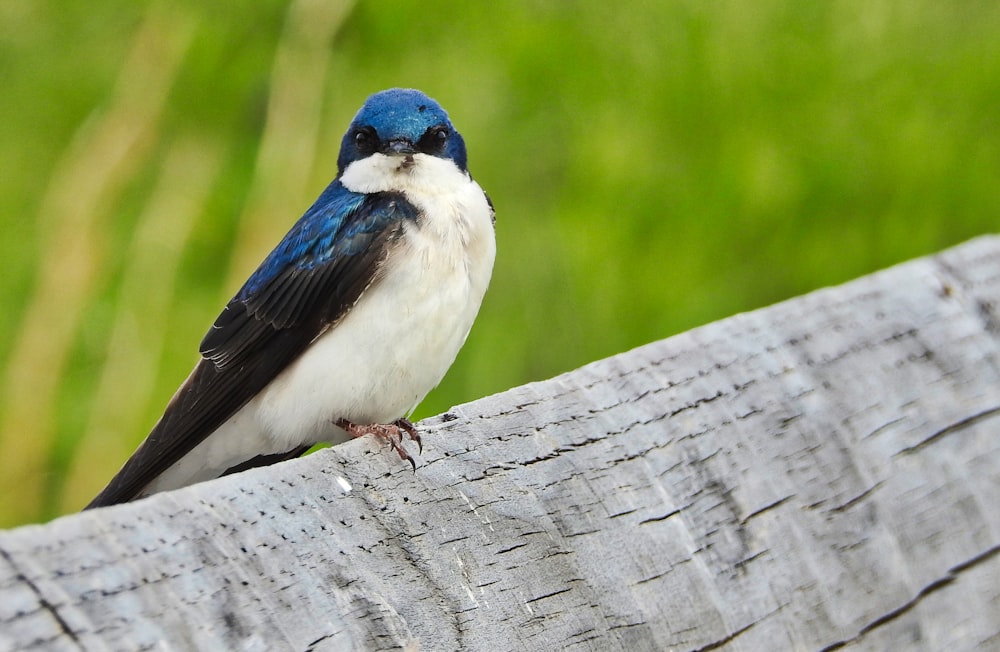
390, 432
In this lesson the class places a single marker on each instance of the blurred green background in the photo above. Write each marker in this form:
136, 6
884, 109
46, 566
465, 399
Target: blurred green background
654, 166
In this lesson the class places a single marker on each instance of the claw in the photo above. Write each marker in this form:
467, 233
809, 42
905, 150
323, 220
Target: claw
411, 430
392, 433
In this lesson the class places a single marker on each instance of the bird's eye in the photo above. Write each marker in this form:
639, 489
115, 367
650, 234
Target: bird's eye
434, 139
365, 140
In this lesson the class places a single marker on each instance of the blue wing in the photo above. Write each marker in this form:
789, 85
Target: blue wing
305, 286
324, 263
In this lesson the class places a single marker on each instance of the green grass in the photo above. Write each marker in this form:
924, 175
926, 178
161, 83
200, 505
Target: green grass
653, 167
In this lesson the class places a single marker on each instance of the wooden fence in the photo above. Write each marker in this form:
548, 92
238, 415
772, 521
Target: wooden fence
822, 474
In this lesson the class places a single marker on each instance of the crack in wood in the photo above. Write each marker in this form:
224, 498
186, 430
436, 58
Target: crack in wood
951, 576
43, 602
695, 404
766, 508
651, 578
743, 562
548, 595
974, 561
854, 501
657, 519
883, 427
949, 429
714, 645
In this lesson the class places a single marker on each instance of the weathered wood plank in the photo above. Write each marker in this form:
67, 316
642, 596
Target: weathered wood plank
820, 474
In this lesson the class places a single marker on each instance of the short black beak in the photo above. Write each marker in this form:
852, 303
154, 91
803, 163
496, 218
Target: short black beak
399, 147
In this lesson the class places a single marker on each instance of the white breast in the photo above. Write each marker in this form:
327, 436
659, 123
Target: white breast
397, 343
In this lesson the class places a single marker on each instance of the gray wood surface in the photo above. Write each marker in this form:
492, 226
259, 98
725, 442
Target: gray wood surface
822, 474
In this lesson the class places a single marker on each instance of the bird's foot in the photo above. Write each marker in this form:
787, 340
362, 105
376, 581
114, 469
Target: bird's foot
407, 426
390, 432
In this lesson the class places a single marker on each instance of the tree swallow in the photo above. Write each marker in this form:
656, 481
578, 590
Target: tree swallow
352, 319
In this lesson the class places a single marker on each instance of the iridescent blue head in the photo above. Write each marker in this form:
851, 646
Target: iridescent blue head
401, 122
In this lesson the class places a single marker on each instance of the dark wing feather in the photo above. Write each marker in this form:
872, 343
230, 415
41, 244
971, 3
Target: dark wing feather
283, 307
267, 460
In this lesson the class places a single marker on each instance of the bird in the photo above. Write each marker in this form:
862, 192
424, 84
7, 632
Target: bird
349, 322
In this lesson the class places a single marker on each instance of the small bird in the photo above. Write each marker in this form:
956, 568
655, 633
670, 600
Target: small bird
349, 322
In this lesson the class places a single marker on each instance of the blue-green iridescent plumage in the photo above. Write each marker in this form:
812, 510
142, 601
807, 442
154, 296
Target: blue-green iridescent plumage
339, 223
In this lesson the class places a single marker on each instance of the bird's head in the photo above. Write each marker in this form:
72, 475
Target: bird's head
401, 123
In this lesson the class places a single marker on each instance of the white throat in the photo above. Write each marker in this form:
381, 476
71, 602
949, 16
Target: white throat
418, 173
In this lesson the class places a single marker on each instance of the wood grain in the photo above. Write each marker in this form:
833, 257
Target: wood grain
822, 474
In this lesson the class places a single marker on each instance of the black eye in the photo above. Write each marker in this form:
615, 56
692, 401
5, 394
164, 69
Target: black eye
365, 140
434, 139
